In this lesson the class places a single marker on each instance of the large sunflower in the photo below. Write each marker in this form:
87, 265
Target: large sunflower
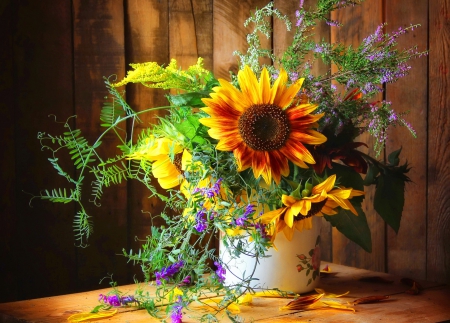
169, 159
298, 211
261, 125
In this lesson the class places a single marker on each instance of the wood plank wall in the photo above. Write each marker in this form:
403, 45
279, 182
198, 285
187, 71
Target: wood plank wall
54, 56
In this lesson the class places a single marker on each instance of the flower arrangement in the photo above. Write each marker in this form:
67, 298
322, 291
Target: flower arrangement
249, 158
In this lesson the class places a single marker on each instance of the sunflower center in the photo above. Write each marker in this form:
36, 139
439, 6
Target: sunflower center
177, 162
264, 127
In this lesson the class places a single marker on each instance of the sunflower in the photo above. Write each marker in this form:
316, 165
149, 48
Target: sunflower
261, 125
298, 211
169, 159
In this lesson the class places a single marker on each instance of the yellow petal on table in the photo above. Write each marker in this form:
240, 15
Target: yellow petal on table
245, 299
275, 294
333, 304
213, 304
80, 317
330, 295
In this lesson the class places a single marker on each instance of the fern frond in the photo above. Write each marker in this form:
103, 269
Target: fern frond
110, 113
83, 227
60, 196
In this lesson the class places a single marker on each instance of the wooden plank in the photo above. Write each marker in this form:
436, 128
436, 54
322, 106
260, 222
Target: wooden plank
359, 22
230, 33
8, 279
44, 259
429, 306
146, 39
190, 31
98, 52
408, 256
438, 210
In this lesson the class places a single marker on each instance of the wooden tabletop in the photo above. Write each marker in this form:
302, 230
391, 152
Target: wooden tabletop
430, 305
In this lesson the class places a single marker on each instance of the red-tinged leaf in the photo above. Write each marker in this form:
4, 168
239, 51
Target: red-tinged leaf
376, 279
302, 302
370, 299
414, 290
326, 272
411, 283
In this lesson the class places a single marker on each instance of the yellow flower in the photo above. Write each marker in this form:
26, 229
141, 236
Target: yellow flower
297, 212
261, 125
169, 159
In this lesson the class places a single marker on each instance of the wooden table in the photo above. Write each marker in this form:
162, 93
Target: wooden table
432, 304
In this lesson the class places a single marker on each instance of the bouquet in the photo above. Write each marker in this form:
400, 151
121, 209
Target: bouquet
249, 158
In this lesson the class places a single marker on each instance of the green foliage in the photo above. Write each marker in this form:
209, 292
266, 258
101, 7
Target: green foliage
353, 227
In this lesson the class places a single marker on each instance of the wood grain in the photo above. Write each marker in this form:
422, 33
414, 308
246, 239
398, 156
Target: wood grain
359, 22
438, 208
407, 256
230, 33
98, 52
429, 306
146, 39
44, 259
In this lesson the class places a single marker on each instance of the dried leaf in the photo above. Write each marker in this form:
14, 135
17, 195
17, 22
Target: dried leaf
302, 302
376, 279
326, 272
370, 299
415, 289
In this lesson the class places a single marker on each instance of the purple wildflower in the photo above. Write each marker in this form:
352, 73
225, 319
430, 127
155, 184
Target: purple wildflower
220, 272
167, 272
332, 23
201, 223
177, 315
112, 300
249, 210
261, 227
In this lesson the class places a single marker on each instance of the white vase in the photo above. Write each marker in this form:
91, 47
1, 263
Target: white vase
293, 267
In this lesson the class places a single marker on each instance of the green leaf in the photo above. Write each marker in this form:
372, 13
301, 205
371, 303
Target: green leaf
191, 128
192, 99
371, 175
389, 199
393, 157
354, 227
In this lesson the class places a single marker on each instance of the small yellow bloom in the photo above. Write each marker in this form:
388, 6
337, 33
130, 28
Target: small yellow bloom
169, 159
297, 212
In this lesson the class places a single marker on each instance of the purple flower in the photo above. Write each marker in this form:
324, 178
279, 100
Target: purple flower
201, 223
220, 272
167, 272
177, 315
261, 227
249, 210
114, 300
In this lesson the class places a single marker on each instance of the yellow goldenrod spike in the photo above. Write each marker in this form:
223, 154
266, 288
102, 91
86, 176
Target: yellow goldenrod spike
80, 317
